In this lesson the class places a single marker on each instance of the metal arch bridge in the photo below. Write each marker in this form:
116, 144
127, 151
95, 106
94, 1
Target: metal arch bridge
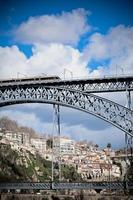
93, 85
73, 93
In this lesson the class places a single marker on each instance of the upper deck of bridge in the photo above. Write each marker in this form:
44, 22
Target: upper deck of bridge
95, 85
56, 80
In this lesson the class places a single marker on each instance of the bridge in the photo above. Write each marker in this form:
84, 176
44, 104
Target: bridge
122, 156
65, 185
77, 94
91, 85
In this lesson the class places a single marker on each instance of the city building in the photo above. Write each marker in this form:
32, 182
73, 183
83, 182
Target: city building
39, 144
90, 163
67, 146
18, 138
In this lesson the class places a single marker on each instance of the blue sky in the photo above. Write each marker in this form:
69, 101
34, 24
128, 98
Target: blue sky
103, 15
90, 38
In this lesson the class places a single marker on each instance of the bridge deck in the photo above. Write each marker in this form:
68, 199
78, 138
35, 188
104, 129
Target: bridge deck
106, 84
60, 186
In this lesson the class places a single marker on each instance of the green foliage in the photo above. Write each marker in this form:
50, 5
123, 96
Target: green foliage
50, 143
130, 172
68, 198
55, 197
45, 198
109, 145
10, 169
15, 166
69, 173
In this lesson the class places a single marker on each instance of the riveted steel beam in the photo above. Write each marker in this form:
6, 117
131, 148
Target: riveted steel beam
107, 110
94, 85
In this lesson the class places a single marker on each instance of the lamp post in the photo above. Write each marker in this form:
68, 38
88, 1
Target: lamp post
18, 73
109, 164
122, 70
67, 70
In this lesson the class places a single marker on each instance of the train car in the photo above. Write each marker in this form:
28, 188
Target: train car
27, 79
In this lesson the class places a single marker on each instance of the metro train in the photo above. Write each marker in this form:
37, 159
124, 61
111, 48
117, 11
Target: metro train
25, 79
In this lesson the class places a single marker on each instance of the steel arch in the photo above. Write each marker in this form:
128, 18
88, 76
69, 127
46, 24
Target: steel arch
107, 110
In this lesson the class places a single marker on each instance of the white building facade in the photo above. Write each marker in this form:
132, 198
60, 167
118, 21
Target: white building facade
65, 145
39, 144
18, 138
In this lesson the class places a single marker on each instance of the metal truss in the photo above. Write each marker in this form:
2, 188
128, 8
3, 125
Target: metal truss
62, 186
109, 111
97, 86
106, 84
56, 157
90, 185
25, 185
129, 148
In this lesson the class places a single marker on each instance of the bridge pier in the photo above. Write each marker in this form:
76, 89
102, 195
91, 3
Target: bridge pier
129, 166
129, 139
56, 157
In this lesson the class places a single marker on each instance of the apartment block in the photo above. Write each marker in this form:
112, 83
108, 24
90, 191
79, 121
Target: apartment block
67, 146
39, 144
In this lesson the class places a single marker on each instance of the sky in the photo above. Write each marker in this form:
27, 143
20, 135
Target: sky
83, 38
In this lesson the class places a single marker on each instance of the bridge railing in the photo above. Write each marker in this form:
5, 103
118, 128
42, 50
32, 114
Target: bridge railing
62, 186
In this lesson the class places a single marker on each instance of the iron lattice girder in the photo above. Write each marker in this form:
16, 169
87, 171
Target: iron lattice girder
115, 114
107, 84
57, 185
100, 86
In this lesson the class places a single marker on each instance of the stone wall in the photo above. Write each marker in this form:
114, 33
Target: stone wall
61, 197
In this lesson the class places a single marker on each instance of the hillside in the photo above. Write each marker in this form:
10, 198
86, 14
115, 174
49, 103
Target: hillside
22, 165
12, 125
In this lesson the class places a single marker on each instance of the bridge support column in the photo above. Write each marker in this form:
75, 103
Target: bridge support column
129, 139
129, 99
56, 157
129, 158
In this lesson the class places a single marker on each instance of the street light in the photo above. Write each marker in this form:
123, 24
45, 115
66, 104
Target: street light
109, 164
18, 73
67, 70
117, 71
122, 70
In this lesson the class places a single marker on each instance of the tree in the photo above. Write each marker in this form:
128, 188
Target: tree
69, 172
8, 124
109, 145
50, 143
96, 146
12, 125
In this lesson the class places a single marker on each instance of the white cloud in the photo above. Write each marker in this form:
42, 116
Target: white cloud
50, 59
76, 132
30, 120
115, 49
101, 137
66, 28
21, 117
54, 58
12, 61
